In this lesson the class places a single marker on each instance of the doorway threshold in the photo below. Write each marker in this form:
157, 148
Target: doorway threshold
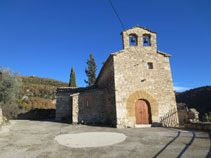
143, 125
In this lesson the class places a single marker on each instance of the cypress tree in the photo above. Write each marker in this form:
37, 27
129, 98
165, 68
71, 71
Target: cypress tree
91, 70
72, 82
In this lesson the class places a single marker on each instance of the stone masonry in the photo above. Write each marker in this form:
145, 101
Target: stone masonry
81, 105
134, 80
138, 72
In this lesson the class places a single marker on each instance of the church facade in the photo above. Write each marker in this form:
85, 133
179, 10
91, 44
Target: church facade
134, 88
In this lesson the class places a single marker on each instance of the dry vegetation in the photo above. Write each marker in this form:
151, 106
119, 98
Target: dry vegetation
38, 93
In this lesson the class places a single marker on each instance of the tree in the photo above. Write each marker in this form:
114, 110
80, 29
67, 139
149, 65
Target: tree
72, 82
10, 86
91, 70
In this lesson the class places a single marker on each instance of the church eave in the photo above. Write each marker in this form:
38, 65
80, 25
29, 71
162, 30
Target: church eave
102, 69
164, 54
138, 27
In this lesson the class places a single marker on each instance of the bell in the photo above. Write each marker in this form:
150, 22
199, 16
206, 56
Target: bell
145, 40
132, 39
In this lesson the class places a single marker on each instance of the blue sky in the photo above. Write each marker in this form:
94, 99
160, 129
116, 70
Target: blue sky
46, 37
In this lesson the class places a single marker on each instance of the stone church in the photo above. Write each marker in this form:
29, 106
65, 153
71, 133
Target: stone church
134, 88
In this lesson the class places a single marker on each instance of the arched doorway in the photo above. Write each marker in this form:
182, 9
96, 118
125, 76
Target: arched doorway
142, 112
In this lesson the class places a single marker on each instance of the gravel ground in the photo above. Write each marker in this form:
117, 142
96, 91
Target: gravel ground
38, 139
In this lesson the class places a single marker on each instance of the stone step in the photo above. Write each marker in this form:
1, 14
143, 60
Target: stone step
143, 125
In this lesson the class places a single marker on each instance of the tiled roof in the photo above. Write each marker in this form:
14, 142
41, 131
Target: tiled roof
73, 89
139, 27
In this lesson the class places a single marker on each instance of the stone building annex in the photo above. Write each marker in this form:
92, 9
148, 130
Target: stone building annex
134, 88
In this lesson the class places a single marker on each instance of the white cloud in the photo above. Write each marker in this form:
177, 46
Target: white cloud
180, 89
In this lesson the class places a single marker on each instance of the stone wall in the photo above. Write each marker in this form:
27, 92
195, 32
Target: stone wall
105, 80
133, 75
65, 97
72, 105
1, 116
75, 107
63, 106
92, 109
204, 126
183, 116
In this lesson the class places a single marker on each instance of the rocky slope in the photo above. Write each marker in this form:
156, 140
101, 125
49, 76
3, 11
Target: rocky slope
198, 98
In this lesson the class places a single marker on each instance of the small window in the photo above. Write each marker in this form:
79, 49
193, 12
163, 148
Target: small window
146, 40
133, 40
150, 65
87, 103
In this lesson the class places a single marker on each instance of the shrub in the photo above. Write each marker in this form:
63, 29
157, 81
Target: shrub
206, 117
10, 85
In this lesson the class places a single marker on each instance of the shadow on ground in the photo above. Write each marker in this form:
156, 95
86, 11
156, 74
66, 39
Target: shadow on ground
37, 114
209, 153
186, 146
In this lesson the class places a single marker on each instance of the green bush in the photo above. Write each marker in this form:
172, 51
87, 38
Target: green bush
209, 117
10, 85
206, 117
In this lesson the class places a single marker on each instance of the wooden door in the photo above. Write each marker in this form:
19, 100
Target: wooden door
142, 112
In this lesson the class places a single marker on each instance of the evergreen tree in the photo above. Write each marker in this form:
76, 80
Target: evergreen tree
91, 70
72, 82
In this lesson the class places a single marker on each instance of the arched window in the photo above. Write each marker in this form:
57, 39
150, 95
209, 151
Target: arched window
133, 40
146, 40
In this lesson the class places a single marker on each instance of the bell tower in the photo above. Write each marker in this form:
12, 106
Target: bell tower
139, 37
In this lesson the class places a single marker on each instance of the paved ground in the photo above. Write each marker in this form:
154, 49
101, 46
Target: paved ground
90, 139
35, 139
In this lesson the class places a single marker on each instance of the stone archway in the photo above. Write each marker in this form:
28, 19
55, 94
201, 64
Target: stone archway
145, 96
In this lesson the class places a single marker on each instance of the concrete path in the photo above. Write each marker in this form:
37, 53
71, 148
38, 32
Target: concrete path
35, 139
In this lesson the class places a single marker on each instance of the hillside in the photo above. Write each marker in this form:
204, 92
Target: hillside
198, 98
38, 92
42, 81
